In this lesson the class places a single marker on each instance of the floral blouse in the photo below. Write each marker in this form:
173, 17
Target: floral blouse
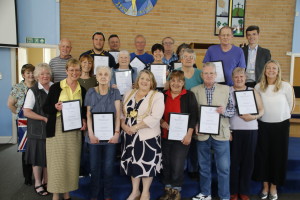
18, 92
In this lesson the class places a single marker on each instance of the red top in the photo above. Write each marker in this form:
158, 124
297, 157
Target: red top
171, 105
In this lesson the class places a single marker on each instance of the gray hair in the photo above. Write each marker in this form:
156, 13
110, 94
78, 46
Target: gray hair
124, 52
209, 64
39, 68
107, 68
190, 51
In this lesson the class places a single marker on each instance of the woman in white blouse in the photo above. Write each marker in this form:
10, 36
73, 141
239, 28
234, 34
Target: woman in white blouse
272, 145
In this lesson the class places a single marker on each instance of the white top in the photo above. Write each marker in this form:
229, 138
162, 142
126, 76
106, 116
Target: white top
277, 105
237, 123
30, 99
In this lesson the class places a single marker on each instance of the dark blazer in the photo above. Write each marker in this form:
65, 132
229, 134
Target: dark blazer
263, 55
188, 104
49, 107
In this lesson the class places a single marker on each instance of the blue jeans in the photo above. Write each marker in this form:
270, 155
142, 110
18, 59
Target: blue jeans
222, 158
102, 159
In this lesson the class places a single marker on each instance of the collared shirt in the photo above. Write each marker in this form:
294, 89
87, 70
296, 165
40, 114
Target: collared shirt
67, 94
30, 99
230, 110
173, 58
250, 71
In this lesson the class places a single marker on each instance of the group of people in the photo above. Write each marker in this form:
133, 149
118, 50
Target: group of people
247, 146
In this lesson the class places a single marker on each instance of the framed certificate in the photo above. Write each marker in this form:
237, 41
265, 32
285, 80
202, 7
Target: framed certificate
209, 120
246, 102
103, 125
160, 73
220, 71
123, 80
177, 65
178, 126
115, 54
71, 115
138, 64
100, 61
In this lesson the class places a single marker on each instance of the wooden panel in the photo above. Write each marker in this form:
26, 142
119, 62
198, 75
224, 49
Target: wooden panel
297, 72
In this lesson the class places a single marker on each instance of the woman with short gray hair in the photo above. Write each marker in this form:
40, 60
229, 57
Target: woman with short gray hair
36, 131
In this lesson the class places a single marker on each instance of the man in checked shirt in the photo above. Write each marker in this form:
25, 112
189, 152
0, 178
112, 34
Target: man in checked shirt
212, 94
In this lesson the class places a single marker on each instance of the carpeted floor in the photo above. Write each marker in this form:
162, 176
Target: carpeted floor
12, 187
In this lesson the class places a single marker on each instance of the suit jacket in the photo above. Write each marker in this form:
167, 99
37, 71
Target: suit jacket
262, 56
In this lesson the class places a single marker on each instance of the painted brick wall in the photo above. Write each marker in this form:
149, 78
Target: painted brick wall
184, 20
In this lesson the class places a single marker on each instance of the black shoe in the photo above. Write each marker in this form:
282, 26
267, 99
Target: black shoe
28, 182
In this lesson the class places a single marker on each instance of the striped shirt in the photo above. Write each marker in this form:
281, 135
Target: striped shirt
58, 67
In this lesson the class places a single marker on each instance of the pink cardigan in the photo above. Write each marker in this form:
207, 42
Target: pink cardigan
151, 117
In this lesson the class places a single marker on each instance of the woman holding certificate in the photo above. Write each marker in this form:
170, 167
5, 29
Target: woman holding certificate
64, 106
36, 129
102, 101
181, 113
120, 74
244, 134
273, 127
143, 108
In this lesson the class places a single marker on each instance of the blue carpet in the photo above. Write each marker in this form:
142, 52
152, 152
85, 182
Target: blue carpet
122, 184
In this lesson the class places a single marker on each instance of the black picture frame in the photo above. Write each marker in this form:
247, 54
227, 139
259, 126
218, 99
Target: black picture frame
104, 113
200, 118
62, 117
174, 113
237, 103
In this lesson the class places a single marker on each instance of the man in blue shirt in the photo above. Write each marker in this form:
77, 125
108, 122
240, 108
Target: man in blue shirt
140, 43
232, 56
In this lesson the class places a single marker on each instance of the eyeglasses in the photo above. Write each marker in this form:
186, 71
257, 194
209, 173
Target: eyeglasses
74, 70
168, 43
188, 57
208, 73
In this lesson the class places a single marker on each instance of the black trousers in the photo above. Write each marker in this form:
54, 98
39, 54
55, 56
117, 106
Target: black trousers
242, 149
27, 168
272, 152
174, 154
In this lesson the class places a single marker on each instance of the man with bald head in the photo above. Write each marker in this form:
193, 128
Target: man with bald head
58, 64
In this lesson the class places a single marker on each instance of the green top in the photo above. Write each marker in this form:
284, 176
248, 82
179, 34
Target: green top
88, 83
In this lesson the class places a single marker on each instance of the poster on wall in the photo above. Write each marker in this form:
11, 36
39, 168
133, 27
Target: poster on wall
230, 13
134, 7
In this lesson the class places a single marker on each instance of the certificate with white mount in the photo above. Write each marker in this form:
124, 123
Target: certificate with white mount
177, 65
220, 72
209, 120
115, 54
100, 61
103, 125
246, 102
123, 80
71, 115
160, 74
138, 64
178, 126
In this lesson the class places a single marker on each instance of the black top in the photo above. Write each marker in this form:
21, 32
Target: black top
111, 61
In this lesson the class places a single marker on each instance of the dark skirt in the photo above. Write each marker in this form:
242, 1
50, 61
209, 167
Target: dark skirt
141, 158
36, 152
271, 152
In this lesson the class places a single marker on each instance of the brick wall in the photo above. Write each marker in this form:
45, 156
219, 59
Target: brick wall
184, 20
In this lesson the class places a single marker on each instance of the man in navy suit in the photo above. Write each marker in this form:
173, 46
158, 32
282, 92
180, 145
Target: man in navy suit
255, 56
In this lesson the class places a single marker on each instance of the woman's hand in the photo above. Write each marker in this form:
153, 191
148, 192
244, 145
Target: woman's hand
186, 140
114, 139
83, 125
248, 117
220, 110
114, 86
93, 139
58, 106
45, 119
165, 125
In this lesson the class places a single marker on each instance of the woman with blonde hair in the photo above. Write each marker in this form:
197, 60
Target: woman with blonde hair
273, 130
143, 108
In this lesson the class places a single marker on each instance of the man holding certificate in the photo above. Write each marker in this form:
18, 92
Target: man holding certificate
244, 135
98, 44
178, 123
219, 99
103, 120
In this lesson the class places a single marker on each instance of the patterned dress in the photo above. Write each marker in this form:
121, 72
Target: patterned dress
139, 158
